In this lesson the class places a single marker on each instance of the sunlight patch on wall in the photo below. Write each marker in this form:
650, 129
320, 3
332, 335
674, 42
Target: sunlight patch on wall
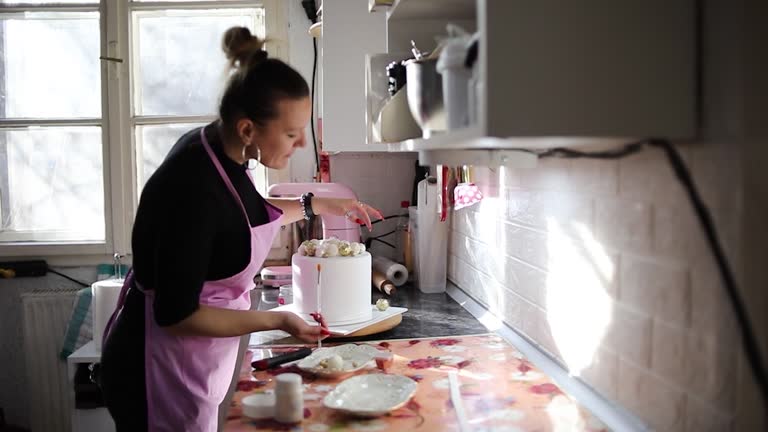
578, 306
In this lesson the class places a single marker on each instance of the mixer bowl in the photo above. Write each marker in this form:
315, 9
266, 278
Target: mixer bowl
424, 86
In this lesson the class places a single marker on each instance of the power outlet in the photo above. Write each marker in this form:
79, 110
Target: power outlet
30, 268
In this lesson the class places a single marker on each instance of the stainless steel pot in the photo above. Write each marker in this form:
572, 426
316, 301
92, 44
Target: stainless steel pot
424, 87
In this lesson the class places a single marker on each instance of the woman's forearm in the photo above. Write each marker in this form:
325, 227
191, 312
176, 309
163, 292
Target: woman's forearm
354, 210
218, 322
291, 208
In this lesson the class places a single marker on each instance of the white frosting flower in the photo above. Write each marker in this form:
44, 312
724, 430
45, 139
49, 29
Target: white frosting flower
308, 248
357, 248
330, 247
331, 250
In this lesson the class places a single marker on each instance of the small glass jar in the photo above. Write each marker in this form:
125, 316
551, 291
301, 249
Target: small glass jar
285, 295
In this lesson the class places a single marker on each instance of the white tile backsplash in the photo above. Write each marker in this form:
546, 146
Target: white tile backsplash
701, 417
574, 241
668, 352
643, 178
596, 177
656, 287
381, 180
631, 334
603, 372
624, 225
710, 370
651, 397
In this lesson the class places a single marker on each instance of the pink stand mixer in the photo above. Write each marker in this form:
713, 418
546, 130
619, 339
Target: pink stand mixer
333, 226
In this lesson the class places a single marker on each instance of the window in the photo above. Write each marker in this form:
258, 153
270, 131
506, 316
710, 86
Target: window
92, 97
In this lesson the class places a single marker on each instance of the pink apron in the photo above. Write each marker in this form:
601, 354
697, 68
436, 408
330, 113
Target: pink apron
187, 377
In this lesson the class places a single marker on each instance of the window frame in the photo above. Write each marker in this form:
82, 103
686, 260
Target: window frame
118, 123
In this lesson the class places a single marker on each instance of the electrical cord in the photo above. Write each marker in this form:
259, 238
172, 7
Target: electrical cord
311, 12
749, 340
83, 284
312, 109
384, 235
383, 241
387, 218
627, 150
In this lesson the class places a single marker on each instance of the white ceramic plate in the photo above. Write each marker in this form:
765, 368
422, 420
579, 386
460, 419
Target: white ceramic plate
371, 395
354, 357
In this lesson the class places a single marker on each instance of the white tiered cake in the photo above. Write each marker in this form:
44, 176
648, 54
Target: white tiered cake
345, 283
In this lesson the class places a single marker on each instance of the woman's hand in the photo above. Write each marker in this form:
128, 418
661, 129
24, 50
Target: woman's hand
299, 328
355, 211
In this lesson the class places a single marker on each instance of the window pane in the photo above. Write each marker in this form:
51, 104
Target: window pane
153, 142
180, 65
51, 184
49, 65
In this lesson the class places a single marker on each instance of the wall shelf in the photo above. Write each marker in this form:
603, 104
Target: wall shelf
474, 148
430, 9
474, 139
561, 74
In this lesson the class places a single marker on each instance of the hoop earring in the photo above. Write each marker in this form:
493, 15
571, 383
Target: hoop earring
258, 154
245, 158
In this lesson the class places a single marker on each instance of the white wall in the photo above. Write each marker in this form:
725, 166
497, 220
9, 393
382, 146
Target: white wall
300, 57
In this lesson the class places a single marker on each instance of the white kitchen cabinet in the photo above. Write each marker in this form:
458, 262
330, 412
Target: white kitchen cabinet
563, 73
350, 32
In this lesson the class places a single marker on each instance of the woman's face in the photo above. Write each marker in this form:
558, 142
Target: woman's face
281, 136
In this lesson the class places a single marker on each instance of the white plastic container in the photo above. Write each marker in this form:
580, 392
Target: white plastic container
105, 295
289, 398
456, 77
433, 252
431, 238
413, 229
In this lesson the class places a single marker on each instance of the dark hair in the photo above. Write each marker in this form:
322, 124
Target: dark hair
258, 82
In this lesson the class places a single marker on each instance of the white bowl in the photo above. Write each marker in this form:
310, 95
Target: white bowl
371, 395
259, 405
354, 358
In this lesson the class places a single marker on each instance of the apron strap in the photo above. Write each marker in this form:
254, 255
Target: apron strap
222, 173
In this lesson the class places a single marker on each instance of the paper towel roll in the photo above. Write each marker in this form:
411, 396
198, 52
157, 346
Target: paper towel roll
105, 294
395, 272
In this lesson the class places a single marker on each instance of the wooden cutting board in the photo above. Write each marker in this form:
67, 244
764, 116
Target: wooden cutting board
378, 327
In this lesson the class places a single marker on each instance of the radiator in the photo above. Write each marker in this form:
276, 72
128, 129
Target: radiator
45, 316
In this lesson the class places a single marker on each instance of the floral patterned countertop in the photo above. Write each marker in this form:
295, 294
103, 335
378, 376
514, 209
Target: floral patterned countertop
500, 389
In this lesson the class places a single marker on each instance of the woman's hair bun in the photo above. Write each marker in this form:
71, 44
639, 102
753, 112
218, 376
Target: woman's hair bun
243, 48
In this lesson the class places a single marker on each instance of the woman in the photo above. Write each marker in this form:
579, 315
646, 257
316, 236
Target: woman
201, 234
